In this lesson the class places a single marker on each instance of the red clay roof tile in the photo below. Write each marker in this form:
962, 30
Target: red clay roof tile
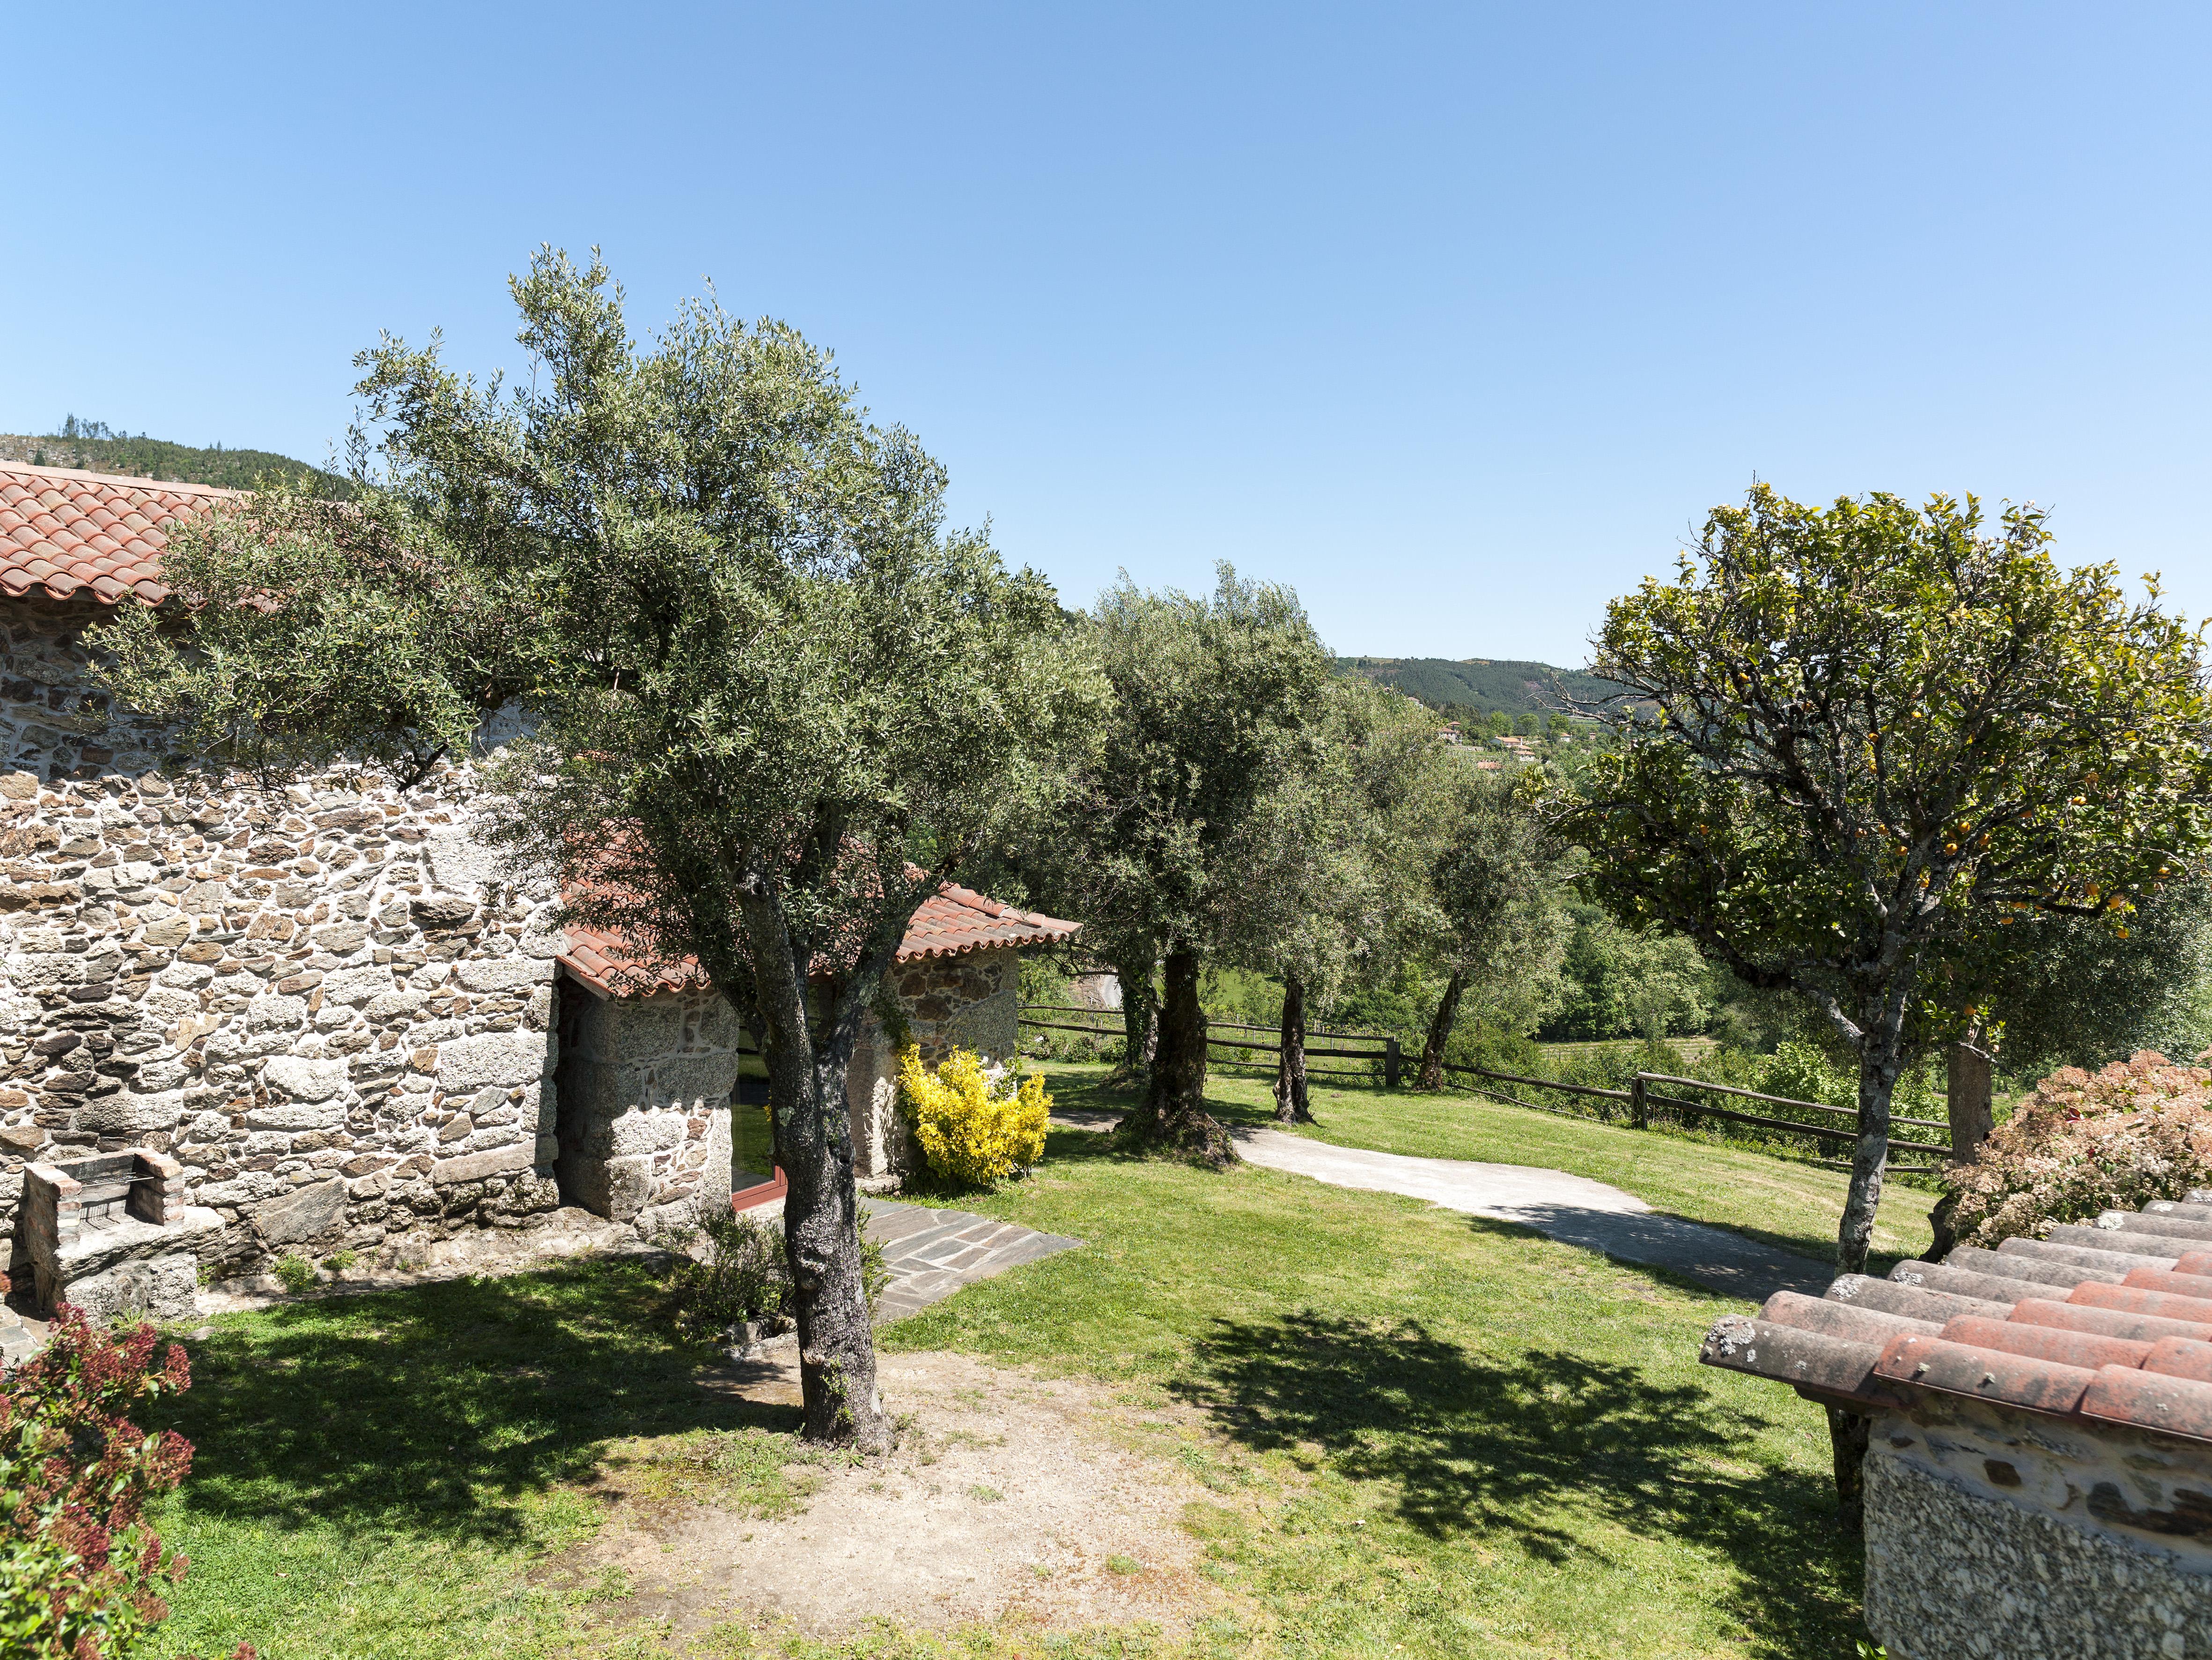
66, 534
951, 922
2132, 1344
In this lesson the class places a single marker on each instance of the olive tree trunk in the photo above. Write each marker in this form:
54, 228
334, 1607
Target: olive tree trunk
1290, 1103
1432, 1051
1140, 1017
1173, 1111
806, 1068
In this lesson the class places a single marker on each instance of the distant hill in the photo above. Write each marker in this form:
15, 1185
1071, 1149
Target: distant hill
94, 447
1485, 684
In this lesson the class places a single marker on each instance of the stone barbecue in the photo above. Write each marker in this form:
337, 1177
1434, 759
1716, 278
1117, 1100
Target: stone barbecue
2039, 1474
328, 1014
113, 1235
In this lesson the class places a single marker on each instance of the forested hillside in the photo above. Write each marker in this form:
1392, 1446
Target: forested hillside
1481, 683
94, 447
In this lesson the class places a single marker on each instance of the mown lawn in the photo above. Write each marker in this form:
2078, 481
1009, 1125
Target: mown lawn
1788, 1203
1426, 1435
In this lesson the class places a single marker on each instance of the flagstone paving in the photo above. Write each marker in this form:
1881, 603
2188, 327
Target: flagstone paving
931, 1253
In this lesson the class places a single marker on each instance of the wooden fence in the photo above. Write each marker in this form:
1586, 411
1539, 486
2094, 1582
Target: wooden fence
1379, 1050
1636, 1103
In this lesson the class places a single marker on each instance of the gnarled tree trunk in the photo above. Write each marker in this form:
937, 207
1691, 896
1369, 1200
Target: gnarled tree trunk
1447, 1015
1173, 1112
1290, 1103
821, 1208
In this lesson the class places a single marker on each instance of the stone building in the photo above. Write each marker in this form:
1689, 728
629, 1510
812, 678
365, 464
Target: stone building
2039, 1474
331, 1007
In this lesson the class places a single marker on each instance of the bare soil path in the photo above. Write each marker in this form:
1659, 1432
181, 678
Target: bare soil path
1009, 1496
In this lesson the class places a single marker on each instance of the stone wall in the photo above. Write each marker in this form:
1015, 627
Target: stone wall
1998, 1533
644, 1117
335, 1009
325, 1003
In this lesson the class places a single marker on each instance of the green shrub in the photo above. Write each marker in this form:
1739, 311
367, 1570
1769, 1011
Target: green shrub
295, 1274
744, 1274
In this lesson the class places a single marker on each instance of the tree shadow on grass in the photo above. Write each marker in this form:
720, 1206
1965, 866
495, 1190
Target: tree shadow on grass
440, 1409
1520, 1449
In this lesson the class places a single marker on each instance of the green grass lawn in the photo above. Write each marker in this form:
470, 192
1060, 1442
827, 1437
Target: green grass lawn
1788, 1203
1426, 1434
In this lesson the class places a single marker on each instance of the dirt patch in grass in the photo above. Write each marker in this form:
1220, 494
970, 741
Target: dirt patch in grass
1010, 1499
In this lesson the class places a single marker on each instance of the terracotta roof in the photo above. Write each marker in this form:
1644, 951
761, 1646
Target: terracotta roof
66, 534
2110, 1323
951, 922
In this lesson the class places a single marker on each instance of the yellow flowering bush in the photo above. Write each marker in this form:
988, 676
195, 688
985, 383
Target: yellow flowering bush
972, 1125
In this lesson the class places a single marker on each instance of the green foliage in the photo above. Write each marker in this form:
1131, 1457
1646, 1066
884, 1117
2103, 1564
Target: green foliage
1878, 737
1882, 735
319, 633
95, 447
1497, 880
82, 1571
1214, 698
744, 1272
1481, 685
1329, 880
1617, 981
294, 1273
2078, 992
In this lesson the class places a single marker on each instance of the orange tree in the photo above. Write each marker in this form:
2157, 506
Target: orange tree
1857, 742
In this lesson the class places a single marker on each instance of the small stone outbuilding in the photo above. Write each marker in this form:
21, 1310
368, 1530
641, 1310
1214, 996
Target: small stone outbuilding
332, 1008
639, 1069
2039, 1476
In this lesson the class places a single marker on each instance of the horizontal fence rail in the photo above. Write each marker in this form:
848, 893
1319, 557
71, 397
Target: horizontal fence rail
1638, 1097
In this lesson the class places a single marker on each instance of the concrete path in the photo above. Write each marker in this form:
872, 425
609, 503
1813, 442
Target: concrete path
932, 1252
1572, 1209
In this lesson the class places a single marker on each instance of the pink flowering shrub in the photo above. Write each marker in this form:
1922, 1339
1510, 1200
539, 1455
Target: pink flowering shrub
80, 1568
2140, 1129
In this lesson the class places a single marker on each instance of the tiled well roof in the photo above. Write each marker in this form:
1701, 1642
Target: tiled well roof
65, 534
951, 922
2110, 1323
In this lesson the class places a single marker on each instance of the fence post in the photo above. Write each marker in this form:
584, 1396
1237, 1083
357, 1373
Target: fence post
1638, 1114
1390, 1063
1966, 1093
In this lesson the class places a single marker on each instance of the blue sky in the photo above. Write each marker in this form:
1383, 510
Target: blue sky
1457, 318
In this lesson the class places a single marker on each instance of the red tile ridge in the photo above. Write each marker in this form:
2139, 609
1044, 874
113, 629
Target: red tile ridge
130, 481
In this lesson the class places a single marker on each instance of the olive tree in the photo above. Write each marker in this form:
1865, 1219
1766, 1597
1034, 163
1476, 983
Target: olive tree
1217, 701
1330, 877
776, 703
1497, 882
